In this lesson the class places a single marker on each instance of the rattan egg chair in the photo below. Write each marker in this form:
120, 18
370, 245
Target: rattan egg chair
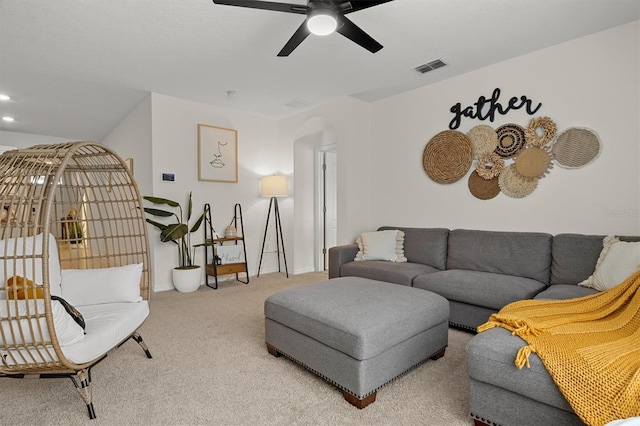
76, 203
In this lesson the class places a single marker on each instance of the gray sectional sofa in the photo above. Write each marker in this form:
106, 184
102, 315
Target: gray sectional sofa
479, 272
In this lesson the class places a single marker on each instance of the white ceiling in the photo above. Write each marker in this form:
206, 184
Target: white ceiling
75, 68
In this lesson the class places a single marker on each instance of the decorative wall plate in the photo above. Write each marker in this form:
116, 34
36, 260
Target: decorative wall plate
576, 147
514, 185
533, 162
481, 188
510, 140
489, 165
483, 138
541, 131
448, 156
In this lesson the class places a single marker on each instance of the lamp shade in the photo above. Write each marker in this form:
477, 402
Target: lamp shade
274, 186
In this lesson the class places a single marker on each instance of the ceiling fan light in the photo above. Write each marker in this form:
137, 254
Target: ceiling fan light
322, 22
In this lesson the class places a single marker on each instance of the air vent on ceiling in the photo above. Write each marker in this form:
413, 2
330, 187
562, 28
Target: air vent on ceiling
433, 65
298, 104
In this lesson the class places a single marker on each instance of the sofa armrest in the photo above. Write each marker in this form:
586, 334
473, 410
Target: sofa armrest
340, 255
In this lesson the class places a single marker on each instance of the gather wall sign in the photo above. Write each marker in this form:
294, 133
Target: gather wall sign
510, 159
486, 109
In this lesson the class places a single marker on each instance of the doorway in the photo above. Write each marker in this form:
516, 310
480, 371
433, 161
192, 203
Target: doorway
326, 204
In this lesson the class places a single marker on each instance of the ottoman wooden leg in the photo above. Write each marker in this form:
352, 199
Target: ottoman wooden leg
273, 351
438, 354
360, 403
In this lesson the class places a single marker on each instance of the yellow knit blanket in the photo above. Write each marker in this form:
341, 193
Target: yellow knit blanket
589, 345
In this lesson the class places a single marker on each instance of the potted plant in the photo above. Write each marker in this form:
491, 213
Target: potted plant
73, 227
186, 276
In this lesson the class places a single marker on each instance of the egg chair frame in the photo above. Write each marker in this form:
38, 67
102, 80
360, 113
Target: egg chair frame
84, 196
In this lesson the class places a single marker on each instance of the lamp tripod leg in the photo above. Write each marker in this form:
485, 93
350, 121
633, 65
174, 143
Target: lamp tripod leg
279, 235
264, 239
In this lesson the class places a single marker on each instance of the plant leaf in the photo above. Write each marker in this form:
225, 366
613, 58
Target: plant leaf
189, 209
157, 212
160, 226
158, 200
196, 226
173, 232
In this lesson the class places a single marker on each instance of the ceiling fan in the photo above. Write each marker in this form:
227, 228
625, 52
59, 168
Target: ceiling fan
323, 17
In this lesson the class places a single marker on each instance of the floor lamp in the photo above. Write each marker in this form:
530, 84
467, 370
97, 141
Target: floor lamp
273, 187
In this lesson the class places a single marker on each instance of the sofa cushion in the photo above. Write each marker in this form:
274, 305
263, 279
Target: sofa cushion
521, 254
484, 289
491, 359
618, 261
574, 256
381, 245
397, 273
424, 245
564, 291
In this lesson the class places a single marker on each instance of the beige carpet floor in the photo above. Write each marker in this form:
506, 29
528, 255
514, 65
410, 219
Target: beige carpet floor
210, 367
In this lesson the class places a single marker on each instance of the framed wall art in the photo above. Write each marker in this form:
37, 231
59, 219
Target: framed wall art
217, 154
129, 163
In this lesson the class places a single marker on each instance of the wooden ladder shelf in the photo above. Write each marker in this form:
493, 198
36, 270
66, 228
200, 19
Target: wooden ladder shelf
212, 242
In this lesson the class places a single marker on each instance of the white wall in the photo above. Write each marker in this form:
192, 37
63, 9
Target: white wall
589, 82
174, 129
132, 138
346, 123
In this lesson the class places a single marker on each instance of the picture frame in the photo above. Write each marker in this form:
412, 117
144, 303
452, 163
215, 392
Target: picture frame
230, 254
129, 163
217, 154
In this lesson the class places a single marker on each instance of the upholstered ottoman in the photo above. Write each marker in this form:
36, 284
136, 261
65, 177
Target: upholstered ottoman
356, 333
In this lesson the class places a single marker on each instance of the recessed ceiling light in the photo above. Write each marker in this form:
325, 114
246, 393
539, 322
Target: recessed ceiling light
4, 97
7, 118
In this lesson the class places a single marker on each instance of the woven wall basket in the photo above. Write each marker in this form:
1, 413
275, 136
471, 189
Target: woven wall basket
514, 185
483, 138
448, 156
576, 147
510, 140
533, 162
481, 188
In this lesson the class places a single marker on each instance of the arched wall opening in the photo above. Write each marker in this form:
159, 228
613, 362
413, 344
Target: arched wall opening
314, 135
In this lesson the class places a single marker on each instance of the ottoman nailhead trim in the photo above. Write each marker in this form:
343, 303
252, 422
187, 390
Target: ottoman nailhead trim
486, 421
464, 327
342, 388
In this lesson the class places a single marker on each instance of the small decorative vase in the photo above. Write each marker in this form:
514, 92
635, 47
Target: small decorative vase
187, 279
230, 232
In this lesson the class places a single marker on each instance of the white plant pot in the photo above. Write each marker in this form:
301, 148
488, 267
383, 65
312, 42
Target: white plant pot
187, 280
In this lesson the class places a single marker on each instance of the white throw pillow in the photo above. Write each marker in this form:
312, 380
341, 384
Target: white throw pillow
103, 285
30, 267
381, 245
617, 262
68, 331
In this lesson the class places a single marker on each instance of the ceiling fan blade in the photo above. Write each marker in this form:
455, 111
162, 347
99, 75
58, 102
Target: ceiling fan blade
355, 34
298, 37
266, 5
356, 5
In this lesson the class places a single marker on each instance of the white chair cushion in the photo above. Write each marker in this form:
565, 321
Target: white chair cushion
12, 250
107, 326
68, 331
82, 287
